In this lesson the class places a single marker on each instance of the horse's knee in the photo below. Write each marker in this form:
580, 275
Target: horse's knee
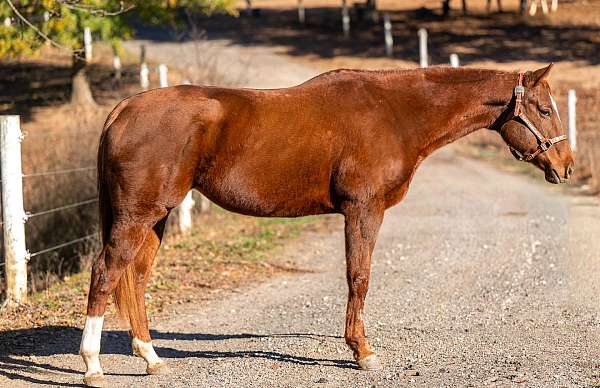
358, 283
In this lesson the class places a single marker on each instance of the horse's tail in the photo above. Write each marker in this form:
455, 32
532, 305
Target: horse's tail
124, 294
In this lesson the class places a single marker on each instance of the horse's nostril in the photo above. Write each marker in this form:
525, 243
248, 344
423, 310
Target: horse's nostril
570, 170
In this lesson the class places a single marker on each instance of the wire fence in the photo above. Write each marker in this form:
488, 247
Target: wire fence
30, 215
71, 214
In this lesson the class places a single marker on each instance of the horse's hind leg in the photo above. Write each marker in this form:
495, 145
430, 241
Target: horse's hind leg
362, 226
122, 244
141, 342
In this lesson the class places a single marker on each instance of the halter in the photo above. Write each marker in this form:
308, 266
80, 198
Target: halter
544, 144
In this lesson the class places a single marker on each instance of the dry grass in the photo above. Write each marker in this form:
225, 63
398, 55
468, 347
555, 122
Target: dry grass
64, 137
225, 252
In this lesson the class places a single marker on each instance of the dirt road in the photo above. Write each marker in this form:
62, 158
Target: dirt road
480, 278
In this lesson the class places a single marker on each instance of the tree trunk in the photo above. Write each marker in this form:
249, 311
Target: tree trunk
523, 7
446, 8
81, 93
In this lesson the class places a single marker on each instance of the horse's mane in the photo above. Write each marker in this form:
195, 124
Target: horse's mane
436, 74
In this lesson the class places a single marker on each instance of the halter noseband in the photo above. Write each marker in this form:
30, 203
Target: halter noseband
544, 144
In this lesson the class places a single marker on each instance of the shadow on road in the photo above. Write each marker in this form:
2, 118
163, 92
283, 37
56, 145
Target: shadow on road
20, 348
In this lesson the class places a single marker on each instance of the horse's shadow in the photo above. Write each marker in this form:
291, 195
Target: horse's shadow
19, 350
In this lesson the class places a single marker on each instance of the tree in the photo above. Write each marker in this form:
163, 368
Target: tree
28, 25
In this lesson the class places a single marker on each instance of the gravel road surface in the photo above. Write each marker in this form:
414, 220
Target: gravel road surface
480, 278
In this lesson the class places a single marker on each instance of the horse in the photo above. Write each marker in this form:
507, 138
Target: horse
346, 142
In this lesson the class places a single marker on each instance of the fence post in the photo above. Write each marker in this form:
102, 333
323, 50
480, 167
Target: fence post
454, 62
423, 56
117, 66
185, 212
144, 72
389, 38
301, 12
15, 253
345, 18
87, 43
572, 102
162, 76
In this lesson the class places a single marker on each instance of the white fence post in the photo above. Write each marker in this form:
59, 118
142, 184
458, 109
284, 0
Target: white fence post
162, 76
301, 12
117, 66
389, 38
454, 62
144, 72
185, 212
15, 253
423, 56
572, 102
87, 43
345, 18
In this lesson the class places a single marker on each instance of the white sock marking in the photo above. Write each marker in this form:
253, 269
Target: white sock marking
146, 351
90, 344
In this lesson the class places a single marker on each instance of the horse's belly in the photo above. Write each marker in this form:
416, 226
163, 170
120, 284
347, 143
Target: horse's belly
269, 193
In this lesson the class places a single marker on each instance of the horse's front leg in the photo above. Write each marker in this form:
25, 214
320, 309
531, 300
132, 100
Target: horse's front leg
362, 226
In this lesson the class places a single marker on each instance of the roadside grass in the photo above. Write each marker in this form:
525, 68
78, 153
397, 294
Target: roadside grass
224, 252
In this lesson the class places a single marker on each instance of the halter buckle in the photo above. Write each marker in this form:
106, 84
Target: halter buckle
519, 89
546, 144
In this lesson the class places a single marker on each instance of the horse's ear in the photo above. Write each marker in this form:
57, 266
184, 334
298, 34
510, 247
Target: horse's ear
541, 74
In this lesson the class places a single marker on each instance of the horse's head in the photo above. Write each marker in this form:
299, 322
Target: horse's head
533, 129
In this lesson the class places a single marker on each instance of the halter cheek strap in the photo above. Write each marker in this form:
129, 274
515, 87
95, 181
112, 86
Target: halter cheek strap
544, 144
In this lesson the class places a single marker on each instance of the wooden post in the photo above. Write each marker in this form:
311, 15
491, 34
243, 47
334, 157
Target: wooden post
389, 37
15, 253
87, 44
345, 19
454, 62
117, 66
301, 12
144, 72
185, 212
162, 76
572, 134
423, 56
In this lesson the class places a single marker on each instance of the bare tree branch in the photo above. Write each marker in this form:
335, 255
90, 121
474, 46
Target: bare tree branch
75, 5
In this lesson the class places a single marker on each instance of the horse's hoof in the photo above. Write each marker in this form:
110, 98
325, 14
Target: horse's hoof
370, 363
94, 380
160, 368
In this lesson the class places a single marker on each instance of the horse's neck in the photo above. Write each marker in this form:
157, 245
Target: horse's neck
456, 102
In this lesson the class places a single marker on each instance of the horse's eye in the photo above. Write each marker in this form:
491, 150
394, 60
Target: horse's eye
546, 112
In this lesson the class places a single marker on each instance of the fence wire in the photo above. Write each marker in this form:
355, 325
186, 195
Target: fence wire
65, 244
58, 172
56, 209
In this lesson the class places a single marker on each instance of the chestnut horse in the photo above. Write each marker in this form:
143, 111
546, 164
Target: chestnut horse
346, 142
